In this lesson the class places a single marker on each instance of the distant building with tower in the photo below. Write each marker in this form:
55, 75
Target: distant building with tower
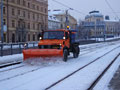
95, 26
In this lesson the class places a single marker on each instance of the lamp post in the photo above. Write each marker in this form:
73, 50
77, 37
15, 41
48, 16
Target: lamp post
2, 39
66, 15
104, 31
95, 31
67, 20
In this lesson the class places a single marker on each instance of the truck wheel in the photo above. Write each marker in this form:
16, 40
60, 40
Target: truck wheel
76, 52
65, 55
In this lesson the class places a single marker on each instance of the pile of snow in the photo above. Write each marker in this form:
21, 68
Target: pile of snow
11, 59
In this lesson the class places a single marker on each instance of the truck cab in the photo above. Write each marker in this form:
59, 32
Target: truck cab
60, 39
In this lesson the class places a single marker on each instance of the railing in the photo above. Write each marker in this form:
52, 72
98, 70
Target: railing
15, 48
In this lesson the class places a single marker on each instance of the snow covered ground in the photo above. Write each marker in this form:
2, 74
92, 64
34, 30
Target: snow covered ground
32, 76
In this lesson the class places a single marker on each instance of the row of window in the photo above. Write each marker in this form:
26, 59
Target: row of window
35, 26
26, 14
30, 5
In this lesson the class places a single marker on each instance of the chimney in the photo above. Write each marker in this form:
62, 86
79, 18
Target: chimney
107, 17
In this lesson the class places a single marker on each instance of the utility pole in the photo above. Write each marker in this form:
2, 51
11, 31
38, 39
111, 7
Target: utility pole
104, 31
2, 39
7, 22
67, 20
95, 31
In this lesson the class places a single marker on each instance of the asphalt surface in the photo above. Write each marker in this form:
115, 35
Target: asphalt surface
115, 82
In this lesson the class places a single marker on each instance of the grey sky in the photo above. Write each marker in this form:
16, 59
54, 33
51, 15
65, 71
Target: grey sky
85, 6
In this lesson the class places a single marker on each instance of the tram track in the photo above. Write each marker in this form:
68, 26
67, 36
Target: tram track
79, 69
93, 47
39, 68
102, 74
16, 63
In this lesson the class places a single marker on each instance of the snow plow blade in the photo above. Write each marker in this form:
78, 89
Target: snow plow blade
36, 53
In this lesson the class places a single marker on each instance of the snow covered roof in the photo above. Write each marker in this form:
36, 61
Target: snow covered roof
42, 0
112, 20
95, 14
51, 17
58, 12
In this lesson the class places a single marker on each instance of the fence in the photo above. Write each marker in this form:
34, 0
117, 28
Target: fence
15, 48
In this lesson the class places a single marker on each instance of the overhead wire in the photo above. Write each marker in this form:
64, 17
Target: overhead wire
112, 9
69, 7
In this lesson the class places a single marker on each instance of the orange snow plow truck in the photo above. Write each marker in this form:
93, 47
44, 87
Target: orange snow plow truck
55, 43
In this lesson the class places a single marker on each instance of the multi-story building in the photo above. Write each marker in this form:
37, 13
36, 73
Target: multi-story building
53, 22
97, 27
25, 19
72, 22
112, 27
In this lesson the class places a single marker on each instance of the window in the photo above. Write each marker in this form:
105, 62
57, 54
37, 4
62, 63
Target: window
13, 23
28, 15
13, 1
18, 2
18, 23
41, 9
34, 26
38, 26
13, 11
28, 5
37, 16
53, 35
37, 7
4, 10
13, 37
28, 37
24, 25
33, 16
45, 10
33, 6
28, 25
24, 3
4, 35
18, 12
33, 37
23, 13
4, 21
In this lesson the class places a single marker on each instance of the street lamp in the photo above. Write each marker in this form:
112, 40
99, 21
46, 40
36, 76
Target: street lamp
2, 21
67, 21
66, 12
104, 32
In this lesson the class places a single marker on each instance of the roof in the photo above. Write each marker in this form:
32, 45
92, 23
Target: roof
51, 17
95, 14
112, 20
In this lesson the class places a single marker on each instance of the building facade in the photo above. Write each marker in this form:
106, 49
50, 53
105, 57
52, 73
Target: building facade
112, 27
95, 26
72, 22
24, 19
53, 22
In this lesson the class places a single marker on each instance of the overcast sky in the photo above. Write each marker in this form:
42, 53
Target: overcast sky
85, 6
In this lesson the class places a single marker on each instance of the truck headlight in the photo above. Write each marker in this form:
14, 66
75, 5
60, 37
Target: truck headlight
40, 38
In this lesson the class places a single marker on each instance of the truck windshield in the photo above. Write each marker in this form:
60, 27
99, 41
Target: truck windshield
53, 35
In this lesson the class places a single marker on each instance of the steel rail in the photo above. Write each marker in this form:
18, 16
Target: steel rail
10, 64
67, 76
102, 74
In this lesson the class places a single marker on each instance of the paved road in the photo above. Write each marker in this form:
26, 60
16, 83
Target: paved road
115, 82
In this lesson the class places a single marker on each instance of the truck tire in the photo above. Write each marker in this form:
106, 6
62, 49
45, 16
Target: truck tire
76, 52
65, 55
